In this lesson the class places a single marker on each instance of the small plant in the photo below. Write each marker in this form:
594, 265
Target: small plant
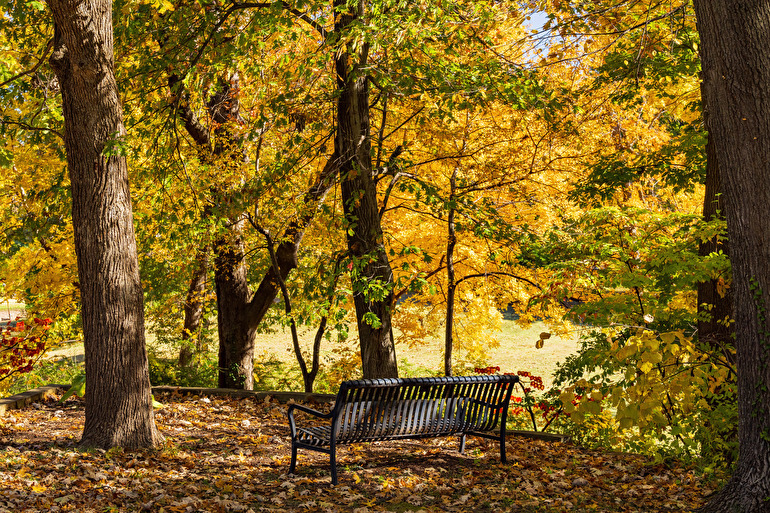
46, 372
546, 407
77, 387
166, 371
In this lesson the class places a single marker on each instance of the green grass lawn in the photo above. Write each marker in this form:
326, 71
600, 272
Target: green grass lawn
9, 309
274, 356
516, 352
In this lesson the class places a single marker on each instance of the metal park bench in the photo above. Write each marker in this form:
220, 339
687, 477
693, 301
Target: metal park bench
393, 409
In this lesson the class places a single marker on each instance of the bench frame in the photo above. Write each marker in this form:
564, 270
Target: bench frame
394, 409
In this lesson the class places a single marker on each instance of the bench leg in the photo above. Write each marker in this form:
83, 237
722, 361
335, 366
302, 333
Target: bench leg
502, 449
462, 444
293, 464
333, 461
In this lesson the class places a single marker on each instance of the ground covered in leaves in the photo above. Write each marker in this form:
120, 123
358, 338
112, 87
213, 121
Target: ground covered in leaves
225, 454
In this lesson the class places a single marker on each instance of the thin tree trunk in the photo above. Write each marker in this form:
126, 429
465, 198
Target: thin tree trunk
118, 399
308, 375
450, 275
736, 90
373, 277
193, 308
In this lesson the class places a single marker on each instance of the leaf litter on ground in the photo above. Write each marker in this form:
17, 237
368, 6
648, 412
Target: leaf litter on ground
226, 454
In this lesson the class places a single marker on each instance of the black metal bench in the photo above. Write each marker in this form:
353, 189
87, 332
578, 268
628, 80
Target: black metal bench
392, 409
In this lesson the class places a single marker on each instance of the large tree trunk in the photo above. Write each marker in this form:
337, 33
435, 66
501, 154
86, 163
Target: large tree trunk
373, 277
715, 309
118, 399
736, 88
236, 328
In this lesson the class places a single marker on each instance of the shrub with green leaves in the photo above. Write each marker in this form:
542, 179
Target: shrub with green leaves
629, 276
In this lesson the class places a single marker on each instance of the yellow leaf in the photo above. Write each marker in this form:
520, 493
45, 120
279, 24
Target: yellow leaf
722, 287
624, 352
646, 367
668, 338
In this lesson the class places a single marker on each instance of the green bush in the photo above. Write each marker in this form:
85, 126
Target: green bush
63, 370
166, 371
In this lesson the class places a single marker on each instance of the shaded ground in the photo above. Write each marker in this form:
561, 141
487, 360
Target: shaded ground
225, 454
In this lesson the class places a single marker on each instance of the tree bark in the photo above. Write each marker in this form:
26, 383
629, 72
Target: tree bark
372, 277
236, 329
715, 310
118, 398
736, 88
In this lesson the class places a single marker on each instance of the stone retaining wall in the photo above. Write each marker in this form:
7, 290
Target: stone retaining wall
50, 392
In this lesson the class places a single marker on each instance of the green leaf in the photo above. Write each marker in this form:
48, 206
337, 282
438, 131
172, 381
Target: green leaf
78, 387
372, 320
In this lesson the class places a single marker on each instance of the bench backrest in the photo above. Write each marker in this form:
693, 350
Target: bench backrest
409, 407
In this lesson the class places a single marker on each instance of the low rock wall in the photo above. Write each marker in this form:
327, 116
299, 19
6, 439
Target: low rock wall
51, 391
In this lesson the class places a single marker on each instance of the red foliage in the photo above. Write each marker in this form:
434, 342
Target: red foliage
551, 409
22, 345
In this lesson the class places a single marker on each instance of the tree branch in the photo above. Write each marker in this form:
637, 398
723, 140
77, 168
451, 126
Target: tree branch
43, 57
26, 126
297, 13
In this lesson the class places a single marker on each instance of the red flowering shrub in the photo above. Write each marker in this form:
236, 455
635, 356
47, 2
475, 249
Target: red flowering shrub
547, 406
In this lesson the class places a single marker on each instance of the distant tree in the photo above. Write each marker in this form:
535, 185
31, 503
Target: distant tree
118, 398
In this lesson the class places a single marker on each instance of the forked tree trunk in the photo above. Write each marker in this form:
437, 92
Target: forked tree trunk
373, 277
118, 399
736, 88
239, 310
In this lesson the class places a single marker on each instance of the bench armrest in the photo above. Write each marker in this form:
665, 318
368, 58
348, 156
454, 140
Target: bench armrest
305, 409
